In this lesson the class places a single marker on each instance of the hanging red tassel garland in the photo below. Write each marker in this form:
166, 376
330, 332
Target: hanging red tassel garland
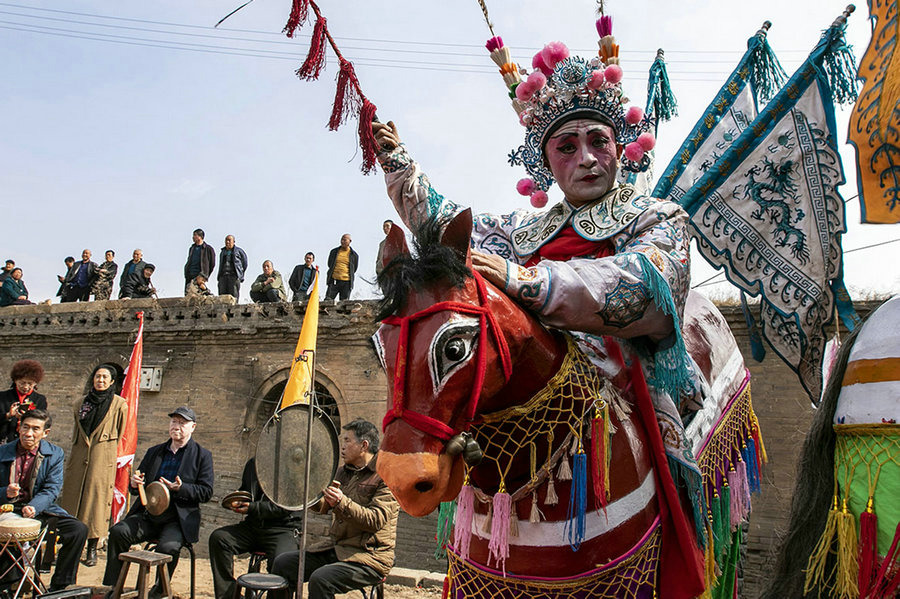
299, 13
315, 61
346, 97
366, 137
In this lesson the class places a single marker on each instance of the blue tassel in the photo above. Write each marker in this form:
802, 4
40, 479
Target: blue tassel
672, 369
757, 349
753, 474
661, 102
766, 74
840, 66
577, 502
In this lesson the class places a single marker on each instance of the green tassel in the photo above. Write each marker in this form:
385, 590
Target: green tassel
724, 526
672, 367
692, 481
661, 102
446, 518
766, 74
840, 67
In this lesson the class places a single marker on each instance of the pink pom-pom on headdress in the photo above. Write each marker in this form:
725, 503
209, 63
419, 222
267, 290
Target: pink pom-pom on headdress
525, 186
597, 80
494, 43
634, 151
538, 63
613, 73
634, 115
553, 53
537, 80
539, 199
604, 26
646, 140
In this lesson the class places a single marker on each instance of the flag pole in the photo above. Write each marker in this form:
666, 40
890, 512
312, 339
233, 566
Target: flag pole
307, 355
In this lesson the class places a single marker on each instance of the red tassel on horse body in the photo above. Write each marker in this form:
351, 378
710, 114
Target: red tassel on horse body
315, 60
868, 548
299, 13
346, 97
366, 137
600, 455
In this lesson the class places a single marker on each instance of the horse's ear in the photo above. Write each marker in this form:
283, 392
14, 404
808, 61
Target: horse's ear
458, 234
394, 245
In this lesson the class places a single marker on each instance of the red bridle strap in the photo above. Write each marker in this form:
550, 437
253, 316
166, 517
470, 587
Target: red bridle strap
425, 423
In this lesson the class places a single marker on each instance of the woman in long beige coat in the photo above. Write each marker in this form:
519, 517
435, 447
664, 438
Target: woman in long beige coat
91, 471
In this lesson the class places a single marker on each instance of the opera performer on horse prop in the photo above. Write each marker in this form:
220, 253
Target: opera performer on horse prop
609, 268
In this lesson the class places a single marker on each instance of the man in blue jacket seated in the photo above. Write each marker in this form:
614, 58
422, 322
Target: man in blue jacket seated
36, 467
187, 470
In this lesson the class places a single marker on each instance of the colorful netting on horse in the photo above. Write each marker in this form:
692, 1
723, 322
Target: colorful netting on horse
633, 576
867, 485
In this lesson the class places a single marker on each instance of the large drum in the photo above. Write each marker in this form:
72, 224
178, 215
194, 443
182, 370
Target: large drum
281, 456
14, 527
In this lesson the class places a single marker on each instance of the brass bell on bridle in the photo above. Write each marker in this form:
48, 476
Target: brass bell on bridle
464, 444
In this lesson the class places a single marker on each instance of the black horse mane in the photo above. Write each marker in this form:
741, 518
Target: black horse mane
432, 262
812, 493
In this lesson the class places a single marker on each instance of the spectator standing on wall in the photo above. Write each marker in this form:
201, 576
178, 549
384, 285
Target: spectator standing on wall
135, 265
106, 276
69, 261
13, 292
386, 227
80, 279
91, 470
269, 286
302, 278
7, 268
342, 264
21, 397
232, 266
201, 259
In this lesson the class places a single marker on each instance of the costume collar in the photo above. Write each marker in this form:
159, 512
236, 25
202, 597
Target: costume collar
594, 222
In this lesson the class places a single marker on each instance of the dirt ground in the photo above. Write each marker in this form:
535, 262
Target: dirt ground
182, 580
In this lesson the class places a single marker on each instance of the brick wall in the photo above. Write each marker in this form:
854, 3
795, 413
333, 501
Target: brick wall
222, 359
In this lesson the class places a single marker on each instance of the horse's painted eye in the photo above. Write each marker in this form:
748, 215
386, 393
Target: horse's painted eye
452, 347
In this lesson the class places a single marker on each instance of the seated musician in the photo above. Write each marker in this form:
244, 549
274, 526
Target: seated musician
36, 468
265, 527
363, 526
186, 469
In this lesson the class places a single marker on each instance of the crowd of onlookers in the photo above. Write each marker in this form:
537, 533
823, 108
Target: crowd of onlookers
86, 279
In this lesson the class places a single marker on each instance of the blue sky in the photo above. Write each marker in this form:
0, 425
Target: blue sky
121, 143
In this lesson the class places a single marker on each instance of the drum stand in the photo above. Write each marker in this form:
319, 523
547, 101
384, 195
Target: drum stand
22, 553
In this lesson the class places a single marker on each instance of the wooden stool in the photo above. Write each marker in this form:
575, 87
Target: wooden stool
258, 584
145, 561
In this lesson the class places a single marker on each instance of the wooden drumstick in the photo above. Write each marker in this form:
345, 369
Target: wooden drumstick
141, 492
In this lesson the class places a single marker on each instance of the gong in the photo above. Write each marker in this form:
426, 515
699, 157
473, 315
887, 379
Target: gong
281, 456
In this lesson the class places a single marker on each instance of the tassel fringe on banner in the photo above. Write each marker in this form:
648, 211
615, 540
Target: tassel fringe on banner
839, 63
661, 101
766, 74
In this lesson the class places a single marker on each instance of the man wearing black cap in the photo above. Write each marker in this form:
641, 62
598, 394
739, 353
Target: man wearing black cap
7, 269
186, 469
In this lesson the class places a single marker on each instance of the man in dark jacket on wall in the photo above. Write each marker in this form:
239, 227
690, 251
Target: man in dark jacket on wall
302, 278
138, 284
342, 264
232, 266
80, 279
136, 265
201, 259
38, 468
265, 527
187, 470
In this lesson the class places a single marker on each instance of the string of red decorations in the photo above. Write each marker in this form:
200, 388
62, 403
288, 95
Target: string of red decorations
349, 97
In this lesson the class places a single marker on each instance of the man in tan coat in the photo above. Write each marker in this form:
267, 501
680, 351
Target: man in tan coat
91, 470
363, 526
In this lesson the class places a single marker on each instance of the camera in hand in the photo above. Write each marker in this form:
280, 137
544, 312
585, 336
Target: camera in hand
24, 407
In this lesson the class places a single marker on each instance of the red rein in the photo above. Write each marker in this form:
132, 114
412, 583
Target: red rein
422, 422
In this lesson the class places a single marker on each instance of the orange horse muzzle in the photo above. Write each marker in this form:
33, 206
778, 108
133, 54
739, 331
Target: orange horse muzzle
421, 481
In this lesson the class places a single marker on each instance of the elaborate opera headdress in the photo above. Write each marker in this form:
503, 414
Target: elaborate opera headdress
561, 87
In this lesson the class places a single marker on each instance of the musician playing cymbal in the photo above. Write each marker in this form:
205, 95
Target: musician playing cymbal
31, 476
265, 527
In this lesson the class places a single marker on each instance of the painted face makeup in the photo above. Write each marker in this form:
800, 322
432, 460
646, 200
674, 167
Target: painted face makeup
583, 158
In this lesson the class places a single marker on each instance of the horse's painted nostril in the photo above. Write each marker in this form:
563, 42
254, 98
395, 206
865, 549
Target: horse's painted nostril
424, 486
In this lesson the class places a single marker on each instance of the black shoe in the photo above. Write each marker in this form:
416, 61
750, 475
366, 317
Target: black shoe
91, 557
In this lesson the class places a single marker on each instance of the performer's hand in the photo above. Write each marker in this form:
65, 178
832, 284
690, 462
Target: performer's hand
491, 267
386, 135
13, 411
333, 495
28, 511
12, 490
241, 507
137, 478
173, 485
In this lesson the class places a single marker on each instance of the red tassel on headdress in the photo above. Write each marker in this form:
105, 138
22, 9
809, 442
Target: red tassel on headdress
868, 551
346, 97
299, 12
888, 580
366, 137
315, 60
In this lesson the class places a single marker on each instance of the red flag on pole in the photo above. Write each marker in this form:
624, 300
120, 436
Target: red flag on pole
128, 441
